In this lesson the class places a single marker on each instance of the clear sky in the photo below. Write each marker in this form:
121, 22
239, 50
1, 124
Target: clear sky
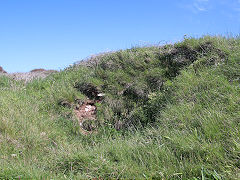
52, 34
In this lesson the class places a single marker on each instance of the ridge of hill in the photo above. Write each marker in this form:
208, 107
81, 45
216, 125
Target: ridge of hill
28, 76
2, 70
157, 112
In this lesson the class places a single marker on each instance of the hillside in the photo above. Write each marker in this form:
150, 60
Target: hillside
27, 76
157, 112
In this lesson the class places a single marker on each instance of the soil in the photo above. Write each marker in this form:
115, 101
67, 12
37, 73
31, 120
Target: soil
86, 112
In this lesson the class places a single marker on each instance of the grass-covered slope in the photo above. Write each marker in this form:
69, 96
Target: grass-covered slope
169, 112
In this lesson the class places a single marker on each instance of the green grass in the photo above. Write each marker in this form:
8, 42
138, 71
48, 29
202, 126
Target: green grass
170, 112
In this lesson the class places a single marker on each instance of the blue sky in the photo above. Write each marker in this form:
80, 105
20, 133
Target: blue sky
52, 34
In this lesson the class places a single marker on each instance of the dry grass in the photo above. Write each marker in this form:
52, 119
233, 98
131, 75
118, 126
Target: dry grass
29, 76
183, 107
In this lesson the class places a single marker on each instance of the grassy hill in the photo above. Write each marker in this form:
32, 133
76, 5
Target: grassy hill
160, 112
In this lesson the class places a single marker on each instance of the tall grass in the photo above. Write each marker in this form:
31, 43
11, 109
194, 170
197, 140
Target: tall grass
169, 112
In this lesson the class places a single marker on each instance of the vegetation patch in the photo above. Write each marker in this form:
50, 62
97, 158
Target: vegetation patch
157, 112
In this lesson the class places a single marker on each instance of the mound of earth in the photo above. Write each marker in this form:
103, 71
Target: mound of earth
2, 70
28, 76
38, 70
42, 70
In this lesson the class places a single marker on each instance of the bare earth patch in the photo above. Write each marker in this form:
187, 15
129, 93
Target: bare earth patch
86, 115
